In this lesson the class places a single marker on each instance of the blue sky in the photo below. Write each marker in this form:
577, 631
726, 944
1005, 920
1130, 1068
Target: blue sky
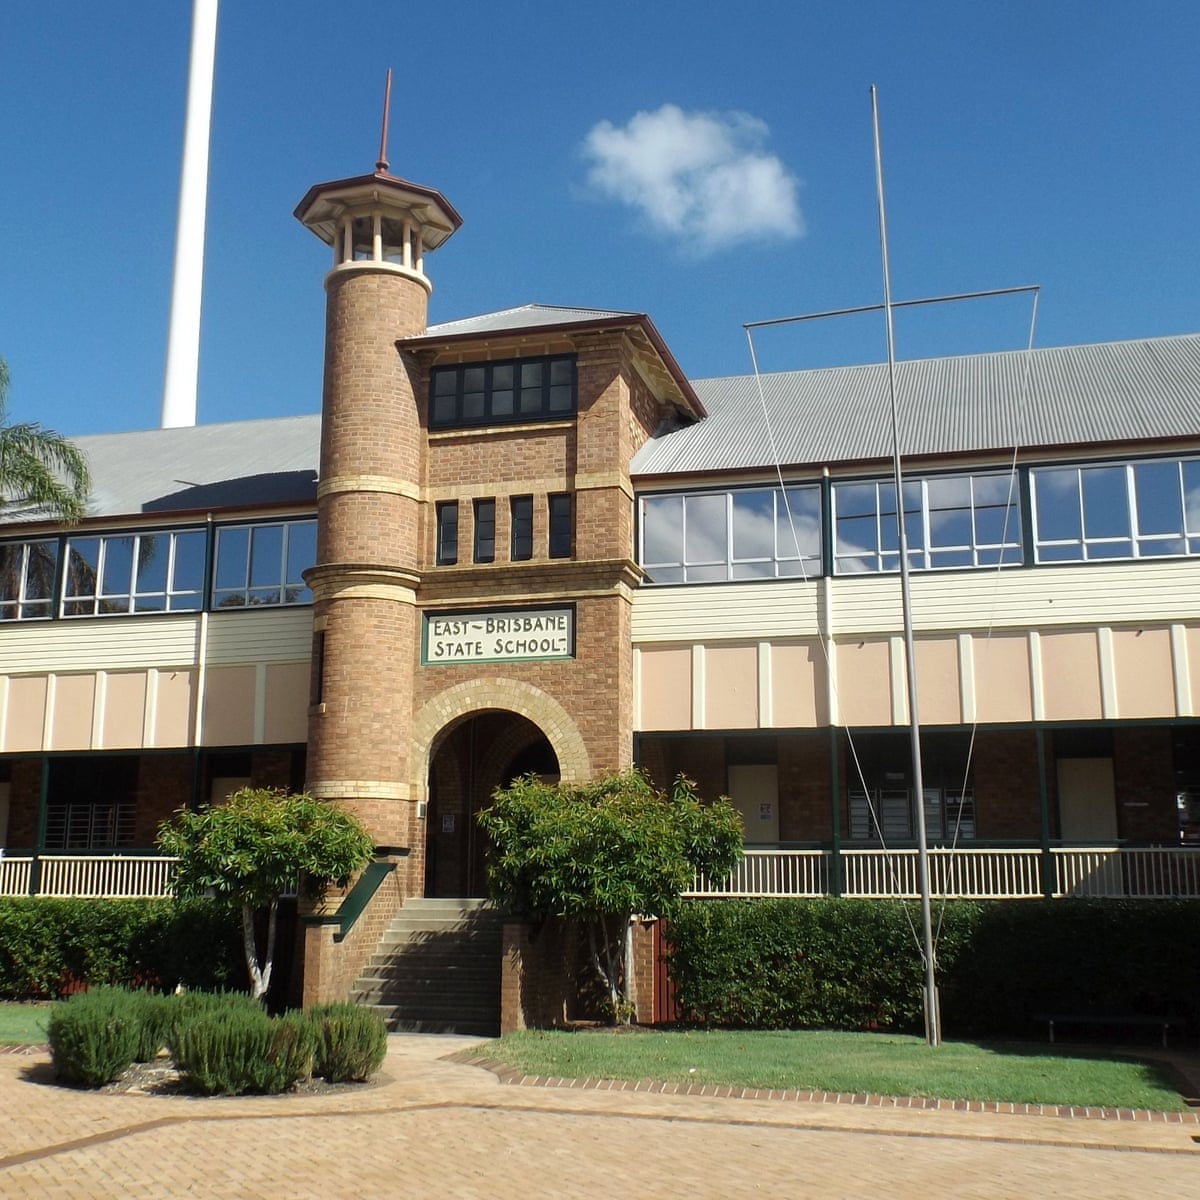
707, 163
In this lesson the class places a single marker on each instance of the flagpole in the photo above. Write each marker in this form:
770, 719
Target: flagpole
933, 1023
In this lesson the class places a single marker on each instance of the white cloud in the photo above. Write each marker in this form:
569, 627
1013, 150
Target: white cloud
703, 178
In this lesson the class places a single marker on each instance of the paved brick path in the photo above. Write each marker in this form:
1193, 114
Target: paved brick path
438, 1128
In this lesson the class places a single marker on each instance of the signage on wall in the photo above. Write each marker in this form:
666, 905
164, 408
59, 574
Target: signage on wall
498, 635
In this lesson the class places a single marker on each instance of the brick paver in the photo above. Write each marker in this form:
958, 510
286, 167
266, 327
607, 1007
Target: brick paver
441, 1128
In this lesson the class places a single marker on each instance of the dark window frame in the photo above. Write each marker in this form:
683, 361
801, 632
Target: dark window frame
560, 534
446, 552
483, 536
500, 392
520, 528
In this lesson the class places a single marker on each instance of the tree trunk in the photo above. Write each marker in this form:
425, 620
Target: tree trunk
259, 970
613, 969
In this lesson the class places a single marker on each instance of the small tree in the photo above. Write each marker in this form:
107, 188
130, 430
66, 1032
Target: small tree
255, 847
602, 852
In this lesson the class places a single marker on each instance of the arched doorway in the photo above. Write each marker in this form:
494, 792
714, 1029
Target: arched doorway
472, 758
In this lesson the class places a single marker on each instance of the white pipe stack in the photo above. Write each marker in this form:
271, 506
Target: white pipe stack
183, 336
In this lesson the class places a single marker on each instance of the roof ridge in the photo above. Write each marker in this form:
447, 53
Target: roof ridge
978, 355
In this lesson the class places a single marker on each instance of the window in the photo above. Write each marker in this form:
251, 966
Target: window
520, 545
1116, 510
27, 574
263, 564
316, 678
485, 531
502, 393
561, 525
134, 573
91, 802
950, 521
949, 814
750, 533
446, 554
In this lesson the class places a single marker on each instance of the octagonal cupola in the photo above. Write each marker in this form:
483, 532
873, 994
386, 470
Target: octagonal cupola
379, 222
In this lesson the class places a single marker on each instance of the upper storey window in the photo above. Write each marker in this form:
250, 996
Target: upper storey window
750, 533
134, 573
502, 393
263, 564
157, 570
1116, 510
950, 521
27, 574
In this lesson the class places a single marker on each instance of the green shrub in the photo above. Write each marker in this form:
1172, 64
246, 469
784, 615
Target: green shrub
853, 964
48, 946
152, 1013
227, 1045
1074, 956
351, 1042
289, 1056
93, 1036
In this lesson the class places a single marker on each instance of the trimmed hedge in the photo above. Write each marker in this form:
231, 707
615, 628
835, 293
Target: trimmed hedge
351, 1041
94, 1036
854, 964
223, 1043
50, 947
232, 1048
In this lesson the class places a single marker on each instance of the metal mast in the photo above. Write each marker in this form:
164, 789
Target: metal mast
933, 1022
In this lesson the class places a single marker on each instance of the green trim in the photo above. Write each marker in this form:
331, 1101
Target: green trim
1044, 805
835, 795
355, 902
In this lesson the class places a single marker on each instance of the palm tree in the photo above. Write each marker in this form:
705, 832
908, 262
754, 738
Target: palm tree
39, 469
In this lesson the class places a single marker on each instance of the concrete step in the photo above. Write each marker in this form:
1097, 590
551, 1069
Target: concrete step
408, 928
397, 1023
479, 909
450, 985
437, 968
448, 1009
388, 967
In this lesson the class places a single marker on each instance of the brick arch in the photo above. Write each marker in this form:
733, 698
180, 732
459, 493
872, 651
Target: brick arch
505, 695
518, 737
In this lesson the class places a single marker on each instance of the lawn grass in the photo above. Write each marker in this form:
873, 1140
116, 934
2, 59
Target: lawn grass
885, 1064
23, 1024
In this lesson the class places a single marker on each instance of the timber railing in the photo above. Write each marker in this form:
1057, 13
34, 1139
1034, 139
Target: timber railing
970, 873
115, 876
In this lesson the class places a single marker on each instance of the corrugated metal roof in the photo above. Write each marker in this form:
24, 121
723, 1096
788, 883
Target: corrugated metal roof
1110, 393
1074, 395
526, 316
229, 465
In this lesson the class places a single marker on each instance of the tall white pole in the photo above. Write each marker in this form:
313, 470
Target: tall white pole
183, 335
933, 1021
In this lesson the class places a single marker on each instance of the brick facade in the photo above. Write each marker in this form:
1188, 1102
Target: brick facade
1007, 790
547, 980
1145, 784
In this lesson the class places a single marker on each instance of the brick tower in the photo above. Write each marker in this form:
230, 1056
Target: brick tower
365, 579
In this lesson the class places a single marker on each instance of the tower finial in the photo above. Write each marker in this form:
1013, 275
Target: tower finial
382, 163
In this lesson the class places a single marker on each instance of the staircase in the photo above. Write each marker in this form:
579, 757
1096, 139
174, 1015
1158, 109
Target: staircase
437, 969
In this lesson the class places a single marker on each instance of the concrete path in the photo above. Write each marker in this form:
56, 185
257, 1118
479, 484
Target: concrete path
439, 1128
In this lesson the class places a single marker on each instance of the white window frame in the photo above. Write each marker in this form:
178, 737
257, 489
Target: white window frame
125, 603
1097, 548
809, 566
877, 559
282, 594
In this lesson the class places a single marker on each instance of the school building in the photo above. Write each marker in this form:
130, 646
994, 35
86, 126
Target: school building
526, 541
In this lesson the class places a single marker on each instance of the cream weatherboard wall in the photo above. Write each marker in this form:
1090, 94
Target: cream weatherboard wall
1072, 643
137, 682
